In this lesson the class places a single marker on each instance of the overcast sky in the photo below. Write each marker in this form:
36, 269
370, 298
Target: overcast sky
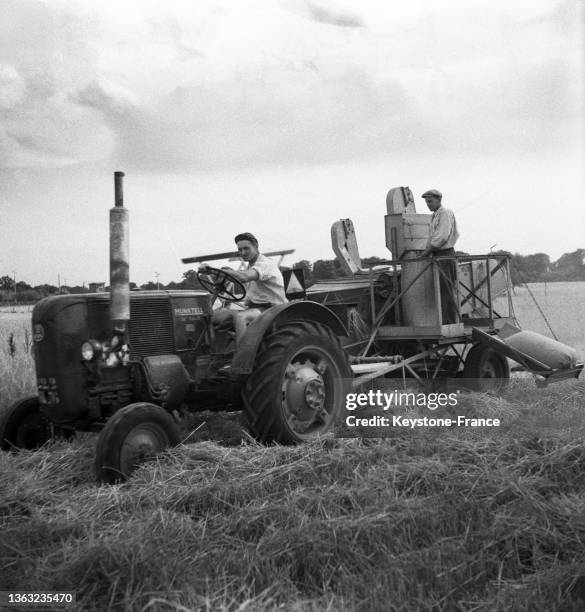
279, 117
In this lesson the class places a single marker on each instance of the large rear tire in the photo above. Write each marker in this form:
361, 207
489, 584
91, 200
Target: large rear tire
486, 370
23, 425
299, 384
133, 435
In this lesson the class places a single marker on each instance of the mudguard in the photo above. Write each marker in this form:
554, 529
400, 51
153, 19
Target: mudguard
167, 378
243, 361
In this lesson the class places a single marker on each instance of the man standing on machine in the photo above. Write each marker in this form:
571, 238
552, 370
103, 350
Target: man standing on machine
443, 235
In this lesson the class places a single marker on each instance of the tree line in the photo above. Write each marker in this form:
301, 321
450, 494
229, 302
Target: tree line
534, 268
539, 268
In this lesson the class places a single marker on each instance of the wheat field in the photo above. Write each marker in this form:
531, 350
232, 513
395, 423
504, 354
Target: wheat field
423, 520
563, 304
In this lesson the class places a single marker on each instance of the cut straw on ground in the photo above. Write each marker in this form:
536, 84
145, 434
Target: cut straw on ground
420, 521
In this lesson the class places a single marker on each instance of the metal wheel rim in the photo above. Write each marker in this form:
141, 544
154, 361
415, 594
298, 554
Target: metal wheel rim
491, 373
301, 417
144, 442
489, 369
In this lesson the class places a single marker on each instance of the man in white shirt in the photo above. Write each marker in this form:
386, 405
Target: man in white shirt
263, 281
443, 235
443, 232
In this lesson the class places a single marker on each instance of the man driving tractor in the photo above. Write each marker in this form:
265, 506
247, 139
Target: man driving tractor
264, 286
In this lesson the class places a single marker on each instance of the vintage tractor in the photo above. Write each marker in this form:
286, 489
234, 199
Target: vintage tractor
129, 364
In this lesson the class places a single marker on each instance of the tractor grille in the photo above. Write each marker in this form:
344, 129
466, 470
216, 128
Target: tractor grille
151, 327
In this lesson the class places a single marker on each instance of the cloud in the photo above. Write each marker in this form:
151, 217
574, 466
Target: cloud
283, 118
220, 84
322, 11
11, 86
42, 55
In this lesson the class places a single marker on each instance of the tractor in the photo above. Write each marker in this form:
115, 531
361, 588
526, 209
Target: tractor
129, 364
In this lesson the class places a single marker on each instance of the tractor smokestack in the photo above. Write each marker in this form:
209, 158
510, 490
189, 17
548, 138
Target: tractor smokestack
119, 259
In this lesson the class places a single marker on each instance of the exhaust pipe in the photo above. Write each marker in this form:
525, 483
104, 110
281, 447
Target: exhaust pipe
119, 260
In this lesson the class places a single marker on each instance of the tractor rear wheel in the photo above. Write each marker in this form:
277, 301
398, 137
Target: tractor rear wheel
299, 383
486, 370
23, 425
133, 435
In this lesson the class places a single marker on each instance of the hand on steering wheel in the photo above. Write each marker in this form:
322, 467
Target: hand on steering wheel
221, 284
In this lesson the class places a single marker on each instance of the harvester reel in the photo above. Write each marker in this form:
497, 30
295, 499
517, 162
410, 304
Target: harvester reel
222, 284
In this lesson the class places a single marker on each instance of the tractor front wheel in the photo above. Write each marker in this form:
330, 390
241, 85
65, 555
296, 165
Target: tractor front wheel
23, 425
299, 384
485, 370
133, 435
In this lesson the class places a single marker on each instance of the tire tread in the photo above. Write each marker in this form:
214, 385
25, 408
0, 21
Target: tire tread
266, 423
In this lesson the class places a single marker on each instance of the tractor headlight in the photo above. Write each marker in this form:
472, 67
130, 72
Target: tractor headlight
90, 350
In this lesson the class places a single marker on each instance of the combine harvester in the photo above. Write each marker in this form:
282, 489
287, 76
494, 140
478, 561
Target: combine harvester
395, 316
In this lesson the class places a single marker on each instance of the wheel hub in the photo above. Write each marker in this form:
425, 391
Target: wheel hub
142, 444
304, 393
315, 394
488, 371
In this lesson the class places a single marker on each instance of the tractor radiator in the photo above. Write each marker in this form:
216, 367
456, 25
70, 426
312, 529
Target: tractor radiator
151, 327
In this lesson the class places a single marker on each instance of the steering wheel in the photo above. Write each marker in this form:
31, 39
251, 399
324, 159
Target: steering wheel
221, 284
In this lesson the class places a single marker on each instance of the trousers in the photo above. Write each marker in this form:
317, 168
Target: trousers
449, 309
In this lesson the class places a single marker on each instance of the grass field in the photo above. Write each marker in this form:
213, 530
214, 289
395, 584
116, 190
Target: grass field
17, 377
424, 520
564, 307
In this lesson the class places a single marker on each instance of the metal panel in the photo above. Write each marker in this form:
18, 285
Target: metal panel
406, 232
190, 320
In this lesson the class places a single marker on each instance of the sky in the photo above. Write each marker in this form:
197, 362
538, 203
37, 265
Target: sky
279, 117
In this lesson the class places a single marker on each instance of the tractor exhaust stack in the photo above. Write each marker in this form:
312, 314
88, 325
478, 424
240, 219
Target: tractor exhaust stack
119, 260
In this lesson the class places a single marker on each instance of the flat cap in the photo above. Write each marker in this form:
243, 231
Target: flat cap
432, 193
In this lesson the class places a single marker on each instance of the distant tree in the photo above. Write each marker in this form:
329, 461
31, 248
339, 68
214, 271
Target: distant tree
323, 268
529, 268
149, 286
307, 268
28, 296
327, 268
569, 266
372, 261
190, 280
78, 289
45, 290
6, 282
